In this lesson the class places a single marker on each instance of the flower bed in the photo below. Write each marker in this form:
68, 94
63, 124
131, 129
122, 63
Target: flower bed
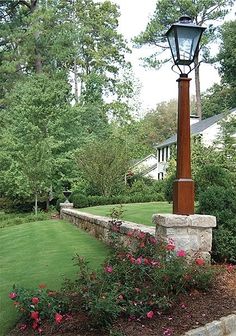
137, 282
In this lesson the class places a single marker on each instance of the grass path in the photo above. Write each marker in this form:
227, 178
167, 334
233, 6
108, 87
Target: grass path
140, 213
41, 252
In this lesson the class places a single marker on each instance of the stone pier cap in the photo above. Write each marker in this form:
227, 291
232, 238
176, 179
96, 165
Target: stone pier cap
171, 220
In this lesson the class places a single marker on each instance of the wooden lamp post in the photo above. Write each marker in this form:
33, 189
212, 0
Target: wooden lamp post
184, 37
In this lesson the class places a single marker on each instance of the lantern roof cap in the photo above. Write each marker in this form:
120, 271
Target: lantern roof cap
185, 21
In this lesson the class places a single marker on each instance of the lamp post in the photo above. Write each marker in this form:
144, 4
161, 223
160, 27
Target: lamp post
184, 37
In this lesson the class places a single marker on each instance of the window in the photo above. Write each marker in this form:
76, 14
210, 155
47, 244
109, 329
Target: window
163, 154
167, 153
159, 155
160, 176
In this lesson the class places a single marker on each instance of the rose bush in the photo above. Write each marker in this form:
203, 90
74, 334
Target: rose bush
136, 281
38, 305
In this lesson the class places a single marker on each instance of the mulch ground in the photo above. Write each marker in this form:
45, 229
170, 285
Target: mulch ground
191, 311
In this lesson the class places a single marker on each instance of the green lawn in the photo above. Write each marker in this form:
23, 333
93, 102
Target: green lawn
137, 212
41, 252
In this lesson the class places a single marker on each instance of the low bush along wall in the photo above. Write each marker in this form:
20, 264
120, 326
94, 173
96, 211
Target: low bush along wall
100, 226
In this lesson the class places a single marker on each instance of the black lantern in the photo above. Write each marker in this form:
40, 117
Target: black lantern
184, 37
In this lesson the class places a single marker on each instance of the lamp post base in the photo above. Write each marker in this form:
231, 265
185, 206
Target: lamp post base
183, 197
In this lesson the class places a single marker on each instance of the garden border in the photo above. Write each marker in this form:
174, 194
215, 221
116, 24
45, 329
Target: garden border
225, 326
100, 226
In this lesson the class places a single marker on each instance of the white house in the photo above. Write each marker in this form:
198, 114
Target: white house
146, 167
209, 129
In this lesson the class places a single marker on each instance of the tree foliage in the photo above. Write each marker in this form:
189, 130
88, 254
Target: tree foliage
226, 55
222, 97
43, 44
103, 164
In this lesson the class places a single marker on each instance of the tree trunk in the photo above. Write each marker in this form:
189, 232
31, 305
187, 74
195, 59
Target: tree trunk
36, 204
197, 89
76, 82
38, 60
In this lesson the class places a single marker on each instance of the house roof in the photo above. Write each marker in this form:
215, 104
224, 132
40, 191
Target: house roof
139, 161
196, 128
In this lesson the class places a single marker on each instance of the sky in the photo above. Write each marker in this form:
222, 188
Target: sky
156, 86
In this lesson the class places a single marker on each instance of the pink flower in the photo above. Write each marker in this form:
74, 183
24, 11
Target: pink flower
22, 327
121, 297
130, 233
40, 330
35, 325
167, 332
141, 235
142, 245
35, 300
115, 228
139, 261
108, 269
200, 261
35, 315
153, 240
58, 318
132, 259
230, 268
12, 295
146, 261
181, 253
137, 290
150, 314
155, 263
170, 247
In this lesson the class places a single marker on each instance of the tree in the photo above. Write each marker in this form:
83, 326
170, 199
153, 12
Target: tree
226, 55
218, 99
222, 97
78, 36
160, 123
103, 164
32, 135
203, 12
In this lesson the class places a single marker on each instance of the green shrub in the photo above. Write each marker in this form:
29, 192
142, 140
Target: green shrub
212, 175
61, 199
218, 201
79, 200
224, 244
138, 186
12, 219
158, 187
168, 188
221, 202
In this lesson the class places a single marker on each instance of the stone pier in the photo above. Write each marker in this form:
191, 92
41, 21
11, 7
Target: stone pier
192, 233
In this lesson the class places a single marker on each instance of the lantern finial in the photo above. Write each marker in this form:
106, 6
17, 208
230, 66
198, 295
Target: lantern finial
185, 19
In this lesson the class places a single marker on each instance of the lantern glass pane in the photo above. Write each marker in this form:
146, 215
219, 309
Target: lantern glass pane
172, 43
188, 41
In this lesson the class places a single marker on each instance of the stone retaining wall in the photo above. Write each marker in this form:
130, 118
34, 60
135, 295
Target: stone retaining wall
193, 233
99, 226
226, 326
